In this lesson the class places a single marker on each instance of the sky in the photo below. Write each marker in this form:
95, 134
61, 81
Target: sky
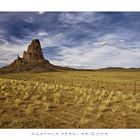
88, 40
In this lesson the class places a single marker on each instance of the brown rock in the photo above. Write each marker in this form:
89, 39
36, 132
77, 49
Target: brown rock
34, 52
18, 61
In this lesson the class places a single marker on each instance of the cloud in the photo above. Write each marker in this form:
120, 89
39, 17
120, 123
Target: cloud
41, 12
99, 57
29, 20
42, 34
79, 17
109, 50
77, 39
9, 52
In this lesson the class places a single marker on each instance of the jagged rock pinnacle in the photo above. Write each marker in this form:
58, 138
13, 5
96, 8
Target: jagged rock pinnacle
34, 52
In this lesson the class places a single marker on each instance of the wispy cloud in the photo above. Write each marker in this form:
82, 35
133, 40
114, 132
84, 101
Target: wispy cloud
9, 51
77, 39
103, 55
78, 18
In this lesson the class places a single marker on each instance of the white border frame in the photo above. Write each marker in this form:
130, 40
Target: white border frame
69, 5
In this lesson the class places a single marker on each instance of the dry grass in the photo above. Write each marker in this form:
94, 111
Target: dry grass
70, 100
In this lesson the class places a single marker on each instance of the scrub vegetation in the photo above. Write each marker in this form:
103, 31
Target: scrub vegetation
76, 99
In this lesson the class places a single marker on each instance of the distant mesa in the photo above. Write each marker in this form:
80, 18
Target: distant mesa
32, 61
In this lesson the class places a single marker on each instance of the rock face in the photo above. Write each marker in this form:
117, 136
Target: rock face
34, 52
18, 61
